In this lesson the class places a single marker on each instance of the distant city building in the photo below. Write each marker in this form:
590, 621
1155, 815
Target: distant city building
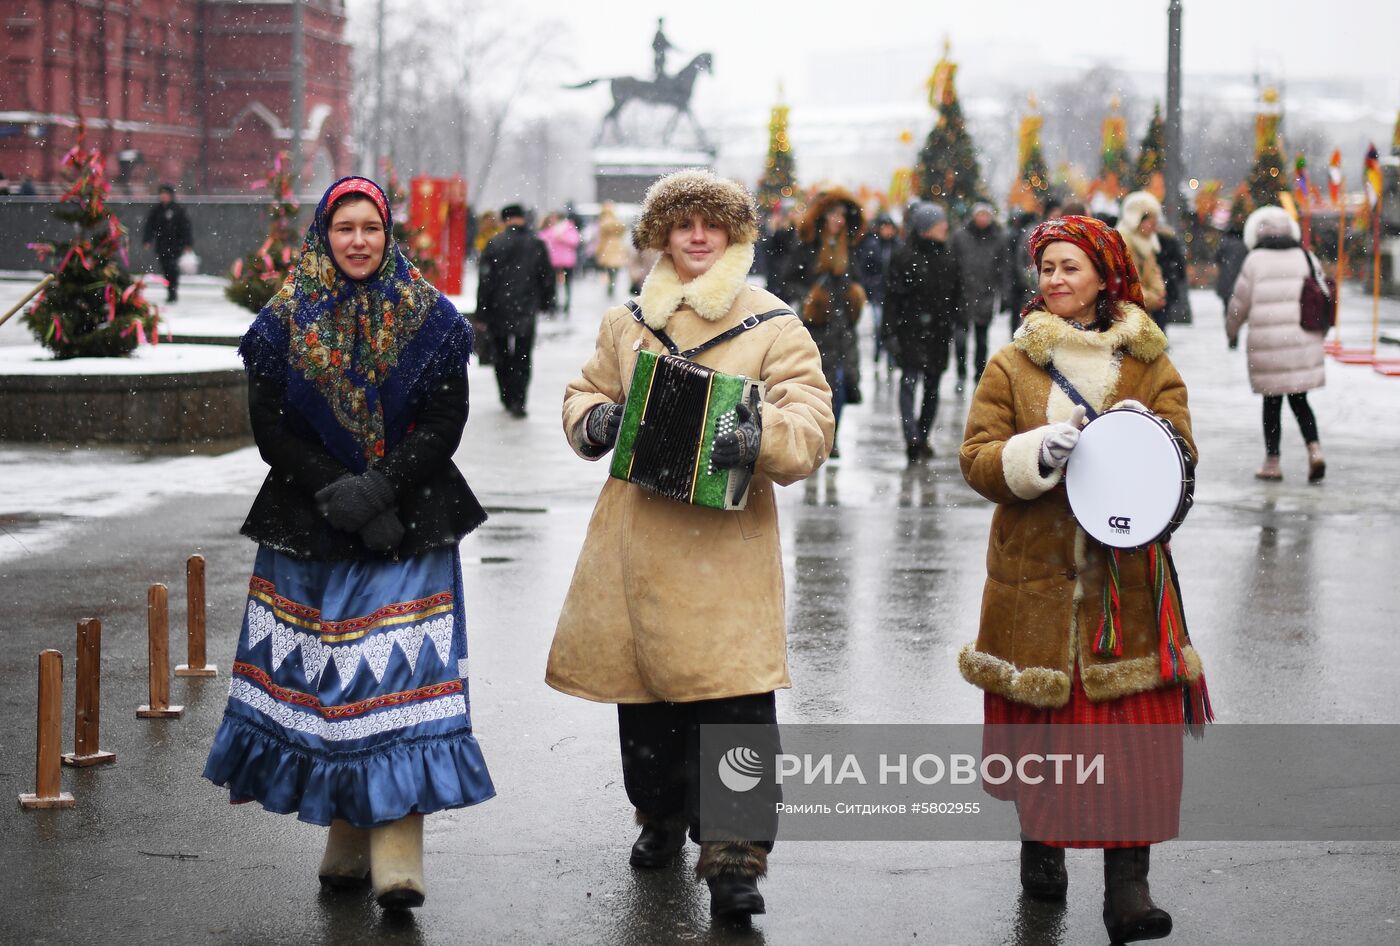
195, 92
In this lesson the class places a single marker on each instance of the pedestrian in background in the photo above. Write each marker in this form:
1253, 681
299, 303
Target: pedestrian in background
168, 233
515, 283
981, 252
876, 250
612, 244
1230, 254
676, 612
1072, 632
561, 238
357, 393
822, 275
1138, 223
922, 305
1285, 360
487, 226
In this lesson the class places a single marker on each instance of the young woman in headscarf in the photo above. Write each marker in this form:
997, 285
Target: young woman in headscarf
1070, 631
348, 702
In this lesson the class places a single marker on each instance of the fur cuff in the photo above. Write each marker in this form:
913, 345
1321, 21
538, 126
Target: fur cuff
1109, 681
731, 857
711, 295
675, 822
1042, 687
1020, 465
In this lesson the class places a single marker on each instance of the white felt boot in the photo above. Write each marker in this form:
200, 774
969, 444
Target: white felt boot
396, 863
346, 861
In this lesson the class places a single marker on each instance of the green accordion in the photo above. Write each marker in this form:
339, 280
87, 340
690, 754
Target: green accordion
675, 409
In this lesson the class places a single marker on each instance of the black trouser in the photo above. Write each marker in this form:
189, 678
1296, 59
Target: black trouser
1273, 420
916, 428
979, 351
512, 361
661, 762
566, 275
170, 269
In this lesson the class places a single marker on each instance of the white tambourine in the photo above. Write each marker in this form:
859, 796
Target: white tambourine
1130, 479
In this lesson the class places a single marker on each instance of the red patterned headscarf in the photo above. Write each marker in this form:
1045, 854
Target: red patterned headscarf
1105, 248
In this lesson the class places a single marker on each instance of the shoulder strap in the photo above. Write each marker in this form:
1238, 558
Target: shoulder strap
1312, 271
753, 321
1070, 390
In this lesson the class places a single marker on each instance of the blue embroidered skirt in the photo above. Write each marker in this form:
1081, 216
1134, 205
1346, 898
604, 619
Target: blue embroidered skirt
349, 692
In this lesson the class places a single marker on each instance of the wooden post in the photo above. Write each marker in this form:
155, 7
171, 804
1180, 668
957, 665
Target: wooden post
158, 649
194, 622
88, 698
48, 791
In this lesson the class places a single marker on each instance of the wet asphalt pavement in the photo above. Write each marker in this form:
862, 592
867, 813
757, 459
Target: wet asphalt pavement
1292, 591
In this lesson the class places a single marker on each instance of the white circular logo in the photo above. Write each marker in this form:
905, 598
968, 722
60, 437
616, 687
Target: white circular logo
740, 769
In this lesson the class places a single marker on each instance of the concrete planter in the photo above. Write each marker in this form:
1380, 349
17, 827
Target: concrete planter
142, 405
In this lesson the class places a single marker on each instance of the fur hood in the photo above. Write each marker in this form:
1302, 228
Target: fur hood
675, 197
1136, 206
1270, 221
711, 295
1043, 333
812, 220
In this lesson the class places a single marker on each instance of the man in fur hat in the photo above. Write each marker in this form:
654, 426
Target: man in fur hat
676, 612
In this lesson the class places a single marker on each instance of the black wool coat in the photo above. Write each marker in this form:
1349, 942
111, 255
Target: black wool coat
168, 230
923, 300
515, 282
432, 499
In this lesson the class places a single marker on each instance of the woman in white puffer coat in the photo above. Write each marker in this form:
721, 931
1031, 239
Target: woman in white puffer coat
1285, 360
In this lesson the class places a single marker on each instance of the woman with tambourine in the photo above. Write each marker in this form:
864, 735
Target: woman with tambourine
1073, 631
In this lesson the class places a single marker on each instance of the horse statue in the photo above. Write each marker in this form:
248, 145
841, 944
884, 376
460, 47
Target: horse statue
673, 90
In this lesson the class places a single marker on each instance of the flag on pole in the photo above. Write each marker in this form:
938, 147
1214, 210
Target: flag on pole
1372, 176
1334, 176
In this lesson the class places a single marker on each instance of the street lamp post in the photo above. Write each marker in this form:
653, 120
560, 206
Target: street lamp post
298, 86
1172, 171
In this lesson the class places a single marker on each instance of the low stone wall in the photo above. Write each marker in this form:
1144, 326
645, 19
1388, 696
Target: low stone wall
195, 408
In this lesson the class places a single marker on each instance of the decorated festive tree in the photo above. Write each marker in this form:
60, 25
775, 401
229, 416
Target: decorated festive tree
1114, 167
1151, 161
1032, 176
256, 277
398, 200
93, 307
947, 169
1266, 179
779, 171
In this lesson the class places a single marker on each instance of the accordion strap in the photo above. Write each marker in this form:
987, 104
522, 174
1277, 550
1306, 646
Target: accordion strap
752, 321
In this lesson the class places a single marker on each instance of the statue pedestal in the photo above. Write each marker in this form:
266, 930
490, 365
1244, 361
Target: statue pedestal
623, 174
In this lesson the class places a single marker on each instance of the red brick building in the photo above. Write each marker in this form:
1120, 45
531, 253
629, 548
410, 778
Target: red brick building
196, 92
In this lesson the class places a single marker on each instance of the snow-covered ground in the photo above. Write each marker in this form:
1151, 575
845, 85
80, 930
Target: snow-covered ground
164, 358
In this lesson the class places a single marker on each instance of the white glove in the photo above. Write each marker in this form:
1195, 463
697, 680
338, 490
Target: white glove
1135, 405
1060, 439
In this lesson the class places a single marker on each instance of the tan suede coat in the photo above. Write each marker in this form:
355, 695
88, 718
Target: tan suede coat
1042, 601
677, 602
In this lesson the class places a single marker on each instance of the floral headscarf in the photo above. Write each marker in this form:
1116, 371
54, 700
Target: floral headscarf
1105, 249
356, 356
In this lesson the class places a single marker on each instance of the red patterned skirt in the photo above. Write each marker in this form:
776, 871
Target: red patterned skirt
1139, 801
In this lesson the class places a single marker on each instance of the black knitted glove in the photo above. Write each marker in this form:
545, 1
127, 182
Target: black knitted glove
352, 501
383, 533
739, 445
601, 427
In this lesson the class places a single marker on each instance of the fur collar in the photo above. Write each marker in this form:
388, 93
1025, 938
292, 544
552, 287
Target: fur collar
711, 295
1042, 333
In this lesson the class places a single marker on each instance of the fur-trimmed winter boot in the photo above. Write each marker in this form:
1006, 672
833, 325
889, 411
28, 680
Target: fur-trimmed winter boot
1043, 874
732, 869
1317, 466
1128, 911
396, 863
346, 862
660, 841
1271, 470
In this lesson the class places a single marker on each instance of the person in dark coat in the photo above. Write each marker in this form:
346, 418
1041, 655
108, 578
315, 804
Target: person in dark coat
348, 703
874, 255
168, 234
515, 284
981, 249
1172, 259
1018, 278
776, 247
922, 302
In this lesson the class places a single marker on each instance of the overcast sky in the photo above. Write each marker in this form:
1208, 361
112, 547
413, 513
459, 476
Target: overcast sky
752, 39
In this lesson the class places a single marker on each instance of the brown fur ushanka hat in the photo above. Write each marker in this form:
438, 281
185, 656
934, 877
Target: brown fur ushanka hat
673, 198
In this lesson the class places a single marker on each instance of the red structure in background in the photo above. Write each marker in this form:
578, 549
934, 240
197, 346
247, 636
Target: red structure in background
437, 220
195, 92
